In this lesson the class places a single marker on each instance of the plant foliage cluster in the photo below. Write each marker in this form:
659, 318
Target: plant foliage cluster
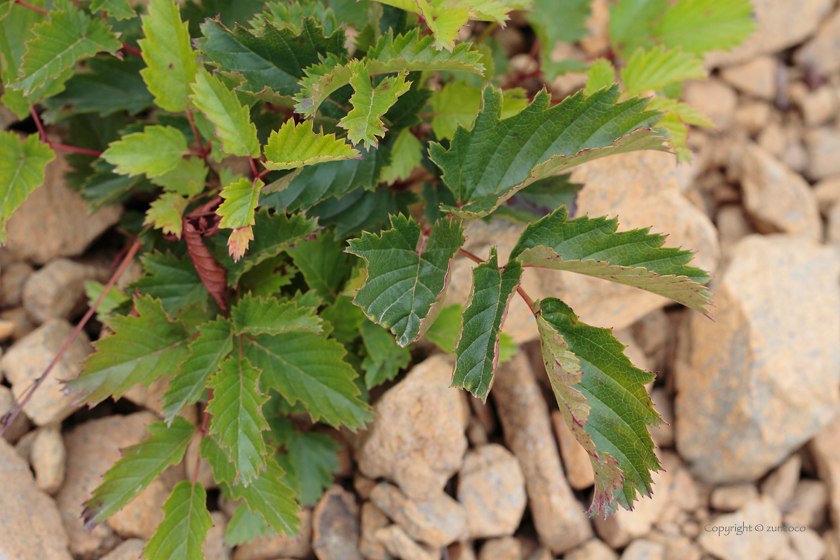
300, 194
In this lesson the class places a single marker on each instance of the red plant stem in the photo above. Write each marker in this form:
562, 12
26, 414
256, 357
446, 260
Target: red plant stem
37, 119
10, 417
253, 167
522, 293
205, 420
132, 50
55, 145
263, 173
471, 256
195, 132
31, 7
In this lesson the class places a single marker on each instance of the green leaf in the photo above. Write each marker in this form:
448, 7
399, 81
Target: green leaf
478, 343
296, 145
703, 25
267, 495
313, 459
458, 104
675, 124
603, 401
631, 23
385, 358
255, 315
303, 366
170, 60
556, 21
237, 419
166, 213
67, 36
155, 151
323, 263
268, 277
240, 203
362, 210
272, 58
113, 300
186, 179
173, 281
343, 320
117, 9
407, 274
141, 349
657, 68
139, 466
231, 119
245, 526
594, 248
364, 122
293, 13
22, 169
488, 164
214, 343
185, 524
446, 328
404, 53
406, 154
600, 74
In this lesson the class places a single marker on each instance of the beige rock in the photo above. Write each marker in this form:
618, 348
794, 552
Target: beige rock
30, 527
741, 354
773, 140
7, 329
399, 544
780, 25
130, 549
93, 448
21, 424
825, 448
832, 230
663, 435
505, 548
820, 106
491, 488
576, 461
822, 53
749, 545
776, 198
20, 319
684, 491
417, 437
682, 548
56, 290
713, 98
372, 519
807, 544
733, 497
827, 193
476, 433
66, 230
48, 456
363, 485
810, 502
280, 546
141, 517
11, 283
780, 485
559, 518
592, 550
732, 224
437, 521
756, 77
24, 444
752, 116
823, 145
27, 359
335, 526
642, 549
512, 40
205, 472
215, 547
461, 551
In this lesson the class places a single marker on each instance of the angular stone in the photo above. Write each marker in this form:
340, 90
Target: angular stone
832, 230
713, 98
823, 145
437, 521
399, 544
777, 199
461, 551
663, 436
732, 497
748, 545
215, 547
506, 548
732, 372
809, 505
130, 549
22, 325
56, 290
642, 549
780, 25
11, 283
825, 448
27, 359
752, 116
280, 546
335, 526
781, 483
822, 53
92, 449
7, 329
559, 518
491, 488
66, 230
820, 106
372, 520
807, 544
30, 526
827, 193
142, 515
48, 457
417, 436
756, 77
592, 550
732, 225
576, 461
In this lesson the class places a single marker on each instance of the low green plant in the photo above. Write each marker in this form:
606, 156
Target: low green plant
272, 171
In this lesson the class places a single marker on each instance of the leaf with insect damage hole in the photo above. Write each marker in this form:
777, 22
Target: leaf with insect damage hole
407, 274
604, 402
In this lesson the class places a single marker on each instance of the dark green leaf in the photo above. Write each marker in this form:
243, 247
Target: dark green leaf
255, 315
323, 263
245, 526
385, 358
185, 525
173, 280
362, 210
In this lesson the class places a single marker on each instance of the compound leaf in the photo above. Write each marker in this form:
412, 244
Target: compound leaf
296, 145
659, 67
385, 358
155, 151
141, 349
139, 466
407, 274
594, 248
240, 203
256, 315
323, 263
186, 179
185, 524
231, 118
166, 213
478, 344
703, 25
237, 419
364, 122
173, 281
214, 343
604, 402
313, 459
488, 164
67, 36
22, 169
246, 526
117, 9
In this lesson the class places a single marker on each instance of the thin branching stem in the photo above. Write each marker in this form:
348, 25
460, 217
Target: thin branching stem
31, 7
522, 293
